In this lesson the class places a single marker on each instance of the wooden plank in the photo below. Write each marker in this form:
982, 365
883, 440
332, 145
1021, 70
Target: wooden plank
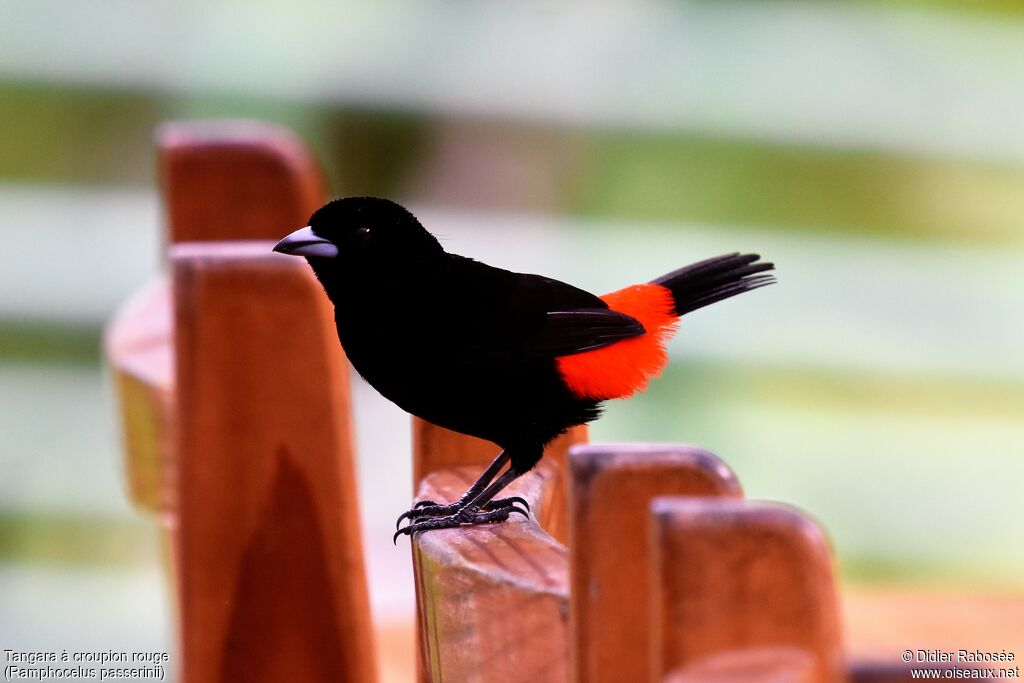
752, 665
612, 486
231, 180
729, 575
436, 449
137, 345
221, 180
493, 599
227, 180
267, 546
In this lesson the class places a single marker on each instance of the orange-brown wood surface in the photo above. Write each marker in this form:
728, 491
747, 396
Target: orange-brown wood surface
883, 620
270, 567
493, 599
612, 486
236, 419
754, 665
226, 180
138, 350
220, 180
734, 575
438, 449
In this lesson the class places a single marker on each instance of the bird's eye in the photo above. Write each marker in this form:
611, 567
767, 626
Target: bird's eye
361, 236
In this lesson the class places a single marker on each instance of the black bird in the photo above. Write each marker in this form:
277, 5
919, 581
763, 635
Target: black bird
512, 358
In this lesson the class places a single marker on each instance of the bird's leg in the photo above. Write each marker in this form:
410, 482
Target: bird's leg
428, 508
475, 511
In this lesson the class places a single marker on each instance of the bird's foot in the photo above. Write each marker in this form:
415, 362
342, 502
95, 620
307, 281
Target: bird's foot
428, 508
467, 516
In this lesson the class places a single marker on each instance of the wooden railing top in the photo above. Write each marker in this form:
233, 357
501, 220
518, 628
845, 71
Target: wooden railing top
495, 600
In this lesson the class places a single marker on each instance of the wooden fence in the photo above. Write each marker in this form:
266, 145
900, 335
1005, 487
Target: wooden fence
640, 563
237, 420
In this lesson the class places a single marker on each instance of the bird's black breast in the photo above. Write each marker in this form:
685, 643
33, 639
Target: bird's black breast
449, 345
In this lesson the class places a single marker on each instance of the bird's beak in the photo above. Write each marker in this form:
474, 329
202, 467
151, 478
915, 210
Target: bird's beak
303, 242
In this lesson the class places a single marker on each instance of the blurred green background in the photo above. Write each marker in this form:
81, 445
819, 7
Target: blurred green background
873, 150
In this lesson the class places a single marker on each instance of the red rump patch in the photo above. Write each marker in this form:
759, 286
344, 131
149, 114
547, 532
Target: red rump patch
625, 367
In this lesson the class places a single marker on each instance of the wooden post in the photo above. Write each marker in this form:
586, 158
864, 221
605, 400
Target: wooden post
269, 559
236, 419
445, 463
137, 345
612, 486
493, 599
226, 180
221, 180
731, 578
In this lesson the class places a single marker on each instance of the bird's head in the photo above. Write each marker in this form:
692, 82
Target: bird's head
360, 235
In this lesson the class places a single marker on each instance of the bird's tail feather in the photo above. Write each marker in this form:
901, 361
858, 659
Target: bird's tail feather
705, 282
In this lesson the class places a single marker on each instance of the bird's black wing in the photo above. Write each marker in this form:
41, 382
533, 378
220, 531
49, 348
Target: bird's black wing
564, 333
519, 316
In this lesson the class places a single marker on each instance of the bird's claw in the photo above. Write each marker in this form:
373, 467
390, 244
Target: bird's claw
507, 502
428, 508
467, 516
